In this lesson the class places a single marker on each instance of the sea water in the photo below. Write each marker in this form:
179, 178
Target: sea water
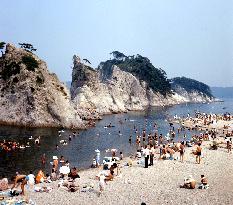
81, 150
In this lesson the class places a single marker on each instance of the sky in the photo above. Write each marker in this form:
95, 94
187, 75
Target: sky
191, 38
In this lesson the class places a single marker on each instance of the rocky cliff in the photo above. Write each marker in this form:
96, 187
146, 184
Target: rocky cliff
110, 90
30, 95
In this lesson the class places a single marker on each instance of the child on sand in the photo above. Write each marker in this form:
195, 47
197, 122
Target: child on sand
204, 183
101, 182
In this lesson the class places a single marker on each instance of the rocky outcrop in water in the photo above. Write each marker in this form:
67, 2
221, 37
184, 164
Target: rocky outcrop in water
112, 90
31, 96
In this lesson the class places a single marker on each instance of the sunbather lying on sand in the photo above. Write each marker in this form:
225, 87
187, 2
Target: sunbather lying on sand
189, 183
72, 187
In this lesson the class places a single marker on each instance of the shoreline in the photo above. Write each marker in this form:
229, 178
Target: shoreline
159, 184
87, 122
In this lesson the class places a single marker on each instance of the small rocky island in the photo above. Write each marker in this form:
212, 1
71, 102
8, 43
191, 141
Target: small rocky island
32, 96
128, 83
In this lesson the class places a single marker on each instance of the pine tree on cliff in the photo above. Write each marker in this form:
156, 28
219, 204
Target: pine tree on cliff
86, 61
118, 55
27, 46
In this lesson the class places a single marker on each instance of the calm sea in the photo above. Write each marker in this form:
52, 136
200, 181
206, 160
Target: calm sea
80, 151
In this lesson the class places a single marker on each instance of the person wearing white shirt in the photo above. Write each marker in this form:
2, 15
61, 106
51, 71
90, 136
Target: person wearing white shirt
31, 180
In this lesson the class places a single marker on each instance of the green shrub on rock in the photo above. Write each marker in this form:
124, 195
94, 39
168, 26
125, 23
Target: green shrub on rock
30, 62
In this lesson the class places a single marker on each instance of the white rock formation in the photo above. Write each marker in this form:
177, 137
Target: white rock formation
33, 98
119, 92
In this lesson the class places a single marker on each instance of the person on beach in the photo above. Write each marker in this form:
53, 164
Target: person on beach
62, 160
189, 183
138, 140
97, 158
204, 183
3, 183
113, 152
74, 134
163, 152
229, 144
182, 152
73, 173
171, 152
152, 153
31, 179
53, 175
101, 178
198, 153
43, 159
146, 152
130, 139
72, 187
121, 156
19, 179
55, 162
40, 177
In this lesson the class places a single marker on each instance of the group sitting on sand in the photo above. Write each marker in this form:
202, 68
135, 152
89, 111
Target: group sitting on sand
190, 183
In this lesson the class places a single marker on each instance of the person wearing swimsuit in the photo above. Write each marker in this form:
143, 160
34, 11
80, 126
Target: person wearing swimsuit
198, 152
182, 152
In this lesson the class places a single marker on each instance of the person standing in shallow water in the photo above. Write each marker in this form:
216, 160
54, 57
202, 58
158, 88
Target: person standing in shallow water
43, 159
130, 139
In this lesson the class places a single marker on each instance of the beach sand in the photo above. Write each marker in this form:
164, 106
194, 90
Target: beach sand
219, 126
158, 184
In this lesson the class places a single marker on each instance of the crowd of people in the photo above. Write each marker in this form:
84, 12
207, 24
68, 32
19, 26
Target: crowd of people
150, 147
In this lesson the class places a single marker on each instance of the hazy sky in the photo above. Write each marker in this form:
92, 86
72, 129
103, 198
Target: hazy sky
192, 38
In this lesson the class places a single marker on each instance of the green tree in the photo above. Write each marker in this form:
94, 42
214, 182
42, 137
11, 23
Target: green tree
191, 85
27, 46
118, 55
142, 68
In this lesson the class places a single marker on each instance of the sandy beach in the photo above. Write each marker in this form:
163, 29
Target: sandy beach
159, 184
